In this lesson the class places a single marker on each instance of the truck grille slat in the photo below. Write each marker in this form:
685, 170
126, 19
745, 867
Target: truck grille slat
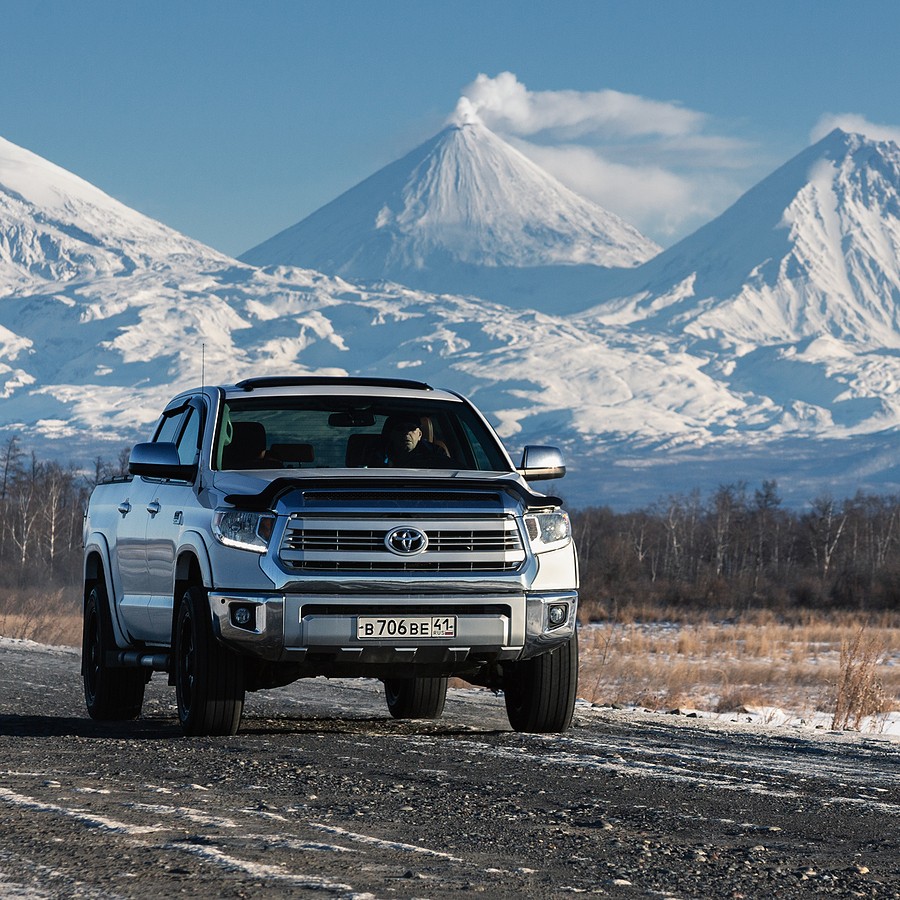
454, 545
401, 566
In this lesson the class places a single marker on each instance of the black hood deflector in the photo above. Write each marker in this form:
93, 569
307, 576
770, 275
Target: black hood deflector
267, 497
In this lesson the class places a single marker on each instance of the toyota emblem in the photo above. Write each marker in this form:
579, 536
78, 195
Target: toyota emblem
406, 541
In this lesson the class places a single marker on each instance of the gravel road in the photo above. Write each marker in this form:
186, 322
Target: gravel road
323, 795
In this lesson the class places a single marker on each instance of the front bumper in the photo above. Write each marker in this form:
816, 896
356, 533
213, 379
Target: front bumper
321, 629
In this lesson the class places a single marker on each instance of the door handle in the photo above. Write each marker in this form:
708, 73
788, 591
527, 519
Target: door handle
124, 507
153, 508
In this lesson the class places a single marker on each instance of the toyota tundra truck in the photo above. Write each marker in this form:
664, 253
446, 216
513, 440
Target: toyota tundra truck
292, 527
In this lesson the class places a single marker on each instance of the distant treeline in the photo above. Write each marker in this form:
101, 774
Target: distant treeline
42, 508
738, 550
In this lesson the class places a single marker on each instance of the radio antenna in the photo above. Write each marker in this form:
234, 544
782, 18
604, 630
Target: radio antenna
203, 365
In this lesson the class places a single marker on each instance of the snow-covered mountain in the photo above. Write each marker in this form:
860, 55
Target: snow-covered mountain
104, 313
465, 213
56, 227
687, 378
811, 251
793, 293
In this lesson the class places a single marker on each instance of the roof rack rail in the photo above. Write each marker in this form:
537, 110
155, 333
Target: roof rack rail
250, 384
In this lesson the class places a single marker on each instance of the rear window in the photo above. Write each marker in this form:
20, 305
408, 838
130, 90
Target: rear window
341, 432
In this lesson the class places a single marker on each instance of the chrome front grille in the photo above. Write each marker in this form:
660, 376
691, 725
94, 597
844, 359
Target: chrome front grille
453, 545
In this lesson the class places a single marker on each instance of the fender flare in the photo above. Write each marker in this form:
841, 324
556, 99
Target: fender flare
192, 544
98, 547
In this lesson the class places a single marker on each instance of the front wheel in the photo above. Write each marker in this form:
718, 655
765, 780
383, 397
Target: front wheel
415, 698
110, 693
540, 692
209, 678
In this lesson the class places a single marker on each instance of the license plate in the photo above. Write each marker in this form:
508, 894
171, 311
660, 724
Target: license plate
375, 627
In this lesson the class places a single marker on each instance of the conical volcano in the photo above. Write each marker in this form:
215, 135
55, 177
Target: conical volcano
462, 211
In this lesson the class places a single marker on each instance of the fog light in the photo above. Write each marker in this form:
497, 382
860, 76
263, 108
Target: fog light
557, 615
242, 616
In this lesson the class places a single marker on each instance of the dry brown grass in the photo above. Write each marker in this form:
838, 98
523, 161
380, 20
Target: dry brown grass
818, 665
51, 617
860, 692
816, 662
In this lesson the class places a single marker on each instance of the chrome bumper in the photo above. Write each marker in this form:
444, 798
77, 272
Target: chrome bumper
289, 627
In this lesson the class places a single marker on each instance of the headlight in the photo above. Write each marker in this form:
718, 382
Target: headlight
242, 529
548, 531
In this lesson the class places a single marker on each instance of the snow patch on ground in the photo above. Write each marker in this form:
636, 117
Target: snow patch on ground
775, 718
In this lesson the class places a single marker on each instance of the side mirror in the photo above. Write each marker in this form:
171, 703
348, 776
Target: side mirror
542, 464
159, 460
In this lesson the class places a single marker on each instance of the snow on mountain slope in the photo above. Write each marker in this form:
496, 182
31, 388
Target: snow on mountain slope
812, 250
638, 417
55, 226
118, 312
104, 314
94, 365
464, 213
792, 293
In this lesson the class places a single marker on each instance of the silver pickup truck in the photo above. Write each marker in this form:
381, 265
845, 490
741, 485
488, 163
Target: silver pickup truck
290, 527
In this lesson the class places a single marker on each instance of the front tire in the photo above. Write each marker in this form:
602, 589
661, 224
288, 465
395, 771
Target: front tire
415, 698
540, 692
209, 678
110, 693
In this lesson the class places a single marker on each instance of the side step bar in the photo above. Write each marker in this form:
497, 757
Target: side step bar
139, 659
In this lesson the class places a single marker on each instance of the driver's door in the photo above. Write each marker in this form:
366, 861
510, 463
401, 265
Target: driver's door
165, 525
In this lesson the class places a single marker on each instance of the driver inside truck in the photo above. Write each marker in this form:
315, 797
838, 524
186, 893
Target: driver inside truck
407, 448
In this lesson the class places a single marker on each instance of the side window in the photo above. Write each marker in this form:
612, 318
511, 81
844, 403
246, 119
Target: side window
170, 427
182, 428
190, 439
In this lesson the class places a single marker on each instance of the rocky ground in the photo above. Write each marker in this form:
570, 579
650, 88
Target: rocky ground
322, 794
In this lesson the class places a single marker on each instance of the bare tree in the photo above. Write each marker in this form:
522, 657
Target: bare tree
826, 525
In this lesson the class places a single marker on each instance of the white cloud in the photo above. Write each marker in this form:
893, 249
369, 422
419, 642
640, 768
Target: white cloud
504, 104
655, 163
641, 189
658, 201
663, 167
853, 122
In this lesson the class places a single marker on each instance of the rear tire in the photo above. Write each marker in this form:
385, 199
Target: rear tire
540, 692
209, 678
110, 693
415, 698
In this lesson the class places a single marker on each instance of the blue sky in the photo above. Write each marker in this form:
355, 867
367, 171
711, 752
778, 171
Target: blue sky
230, 121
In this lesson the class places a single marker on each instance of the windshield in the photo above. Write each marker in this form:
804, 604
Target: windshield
356, 432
